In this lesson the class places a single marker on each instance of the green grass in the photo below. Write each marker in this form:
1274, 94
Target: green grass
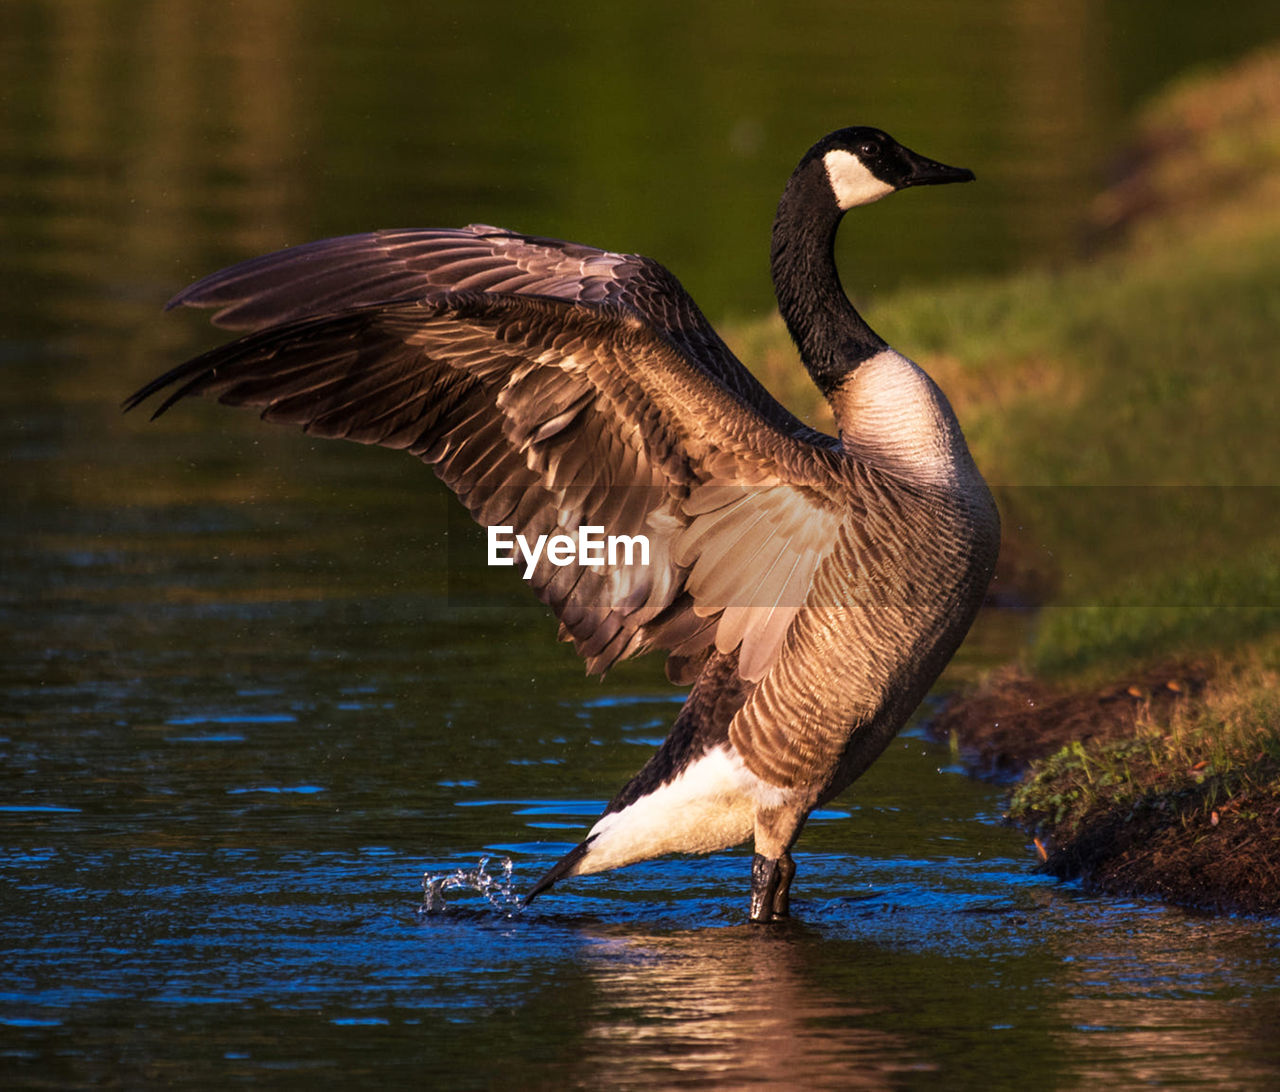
1126, 412
1125, 408
1215, 759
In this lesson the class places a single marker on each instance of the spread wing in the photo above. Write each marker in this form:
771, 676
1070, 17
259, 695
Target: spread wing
376, 267
550, 412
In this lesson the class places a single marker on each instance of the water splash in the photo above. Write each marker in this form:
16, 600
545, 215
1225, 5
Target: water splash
496, 887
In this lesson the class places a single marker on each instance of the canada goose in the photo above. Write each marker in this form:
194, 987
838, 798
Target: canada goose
811, 588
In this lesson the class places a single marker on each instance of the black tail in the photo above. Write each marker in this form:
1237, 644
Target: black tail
559, 870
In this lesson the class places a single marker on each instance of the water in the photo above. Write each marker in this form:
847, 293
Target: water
251, 692
237, 894
220, 801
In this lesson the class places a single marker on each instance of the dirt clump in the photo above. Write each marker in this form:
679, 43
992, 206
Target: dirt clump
1014, 719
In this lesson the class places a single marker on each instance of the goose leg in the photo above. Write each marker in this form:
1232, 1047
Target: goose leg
771, 887
782, 896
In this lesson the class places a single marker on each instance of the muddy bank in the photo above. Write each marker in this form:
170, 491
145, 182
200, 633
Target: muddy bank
1202, 833
1014, 719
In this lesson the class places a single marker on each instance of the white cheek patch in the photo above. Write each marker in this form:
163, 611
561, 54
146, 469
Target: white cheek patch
851, 182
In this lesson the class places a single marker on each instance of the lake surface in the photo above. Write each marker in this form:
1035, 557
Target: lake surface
253, 687
238, 734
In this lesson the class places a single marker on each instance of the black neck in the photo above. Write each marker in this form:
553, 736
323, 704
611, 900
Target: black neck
832, 337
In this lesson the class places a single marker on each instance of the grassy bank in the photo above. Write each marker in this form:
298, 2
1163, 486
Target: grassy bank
1186, 804
1125, 409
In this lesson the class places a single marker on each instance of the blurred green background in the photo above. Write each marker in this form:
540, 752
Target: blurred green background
144, 143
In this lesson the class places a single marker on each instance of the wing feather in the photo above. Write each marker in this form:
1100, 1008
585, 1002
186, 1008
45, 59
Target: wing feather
549, 413
356, 271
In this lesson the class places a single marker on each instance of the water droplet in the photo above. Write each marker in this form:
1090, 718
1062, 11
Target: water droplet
497, 888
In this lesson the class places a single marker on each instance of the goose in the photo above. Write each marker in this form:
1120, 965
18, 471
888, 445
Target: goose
808, 588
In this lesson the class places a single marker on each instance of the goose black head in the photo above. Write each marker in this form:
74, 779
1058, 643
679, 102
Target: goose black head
865, 164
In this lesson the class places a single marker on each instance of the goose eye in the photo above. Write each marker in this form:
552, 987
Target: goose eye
868, 150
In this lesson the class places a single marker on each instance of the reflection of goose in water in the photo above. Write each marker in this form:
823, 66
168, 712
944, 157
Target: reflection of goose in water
736, 1008
811, 588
